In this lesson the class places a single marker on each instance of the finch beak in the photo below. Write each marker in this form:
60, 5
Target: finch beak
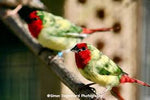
74, 49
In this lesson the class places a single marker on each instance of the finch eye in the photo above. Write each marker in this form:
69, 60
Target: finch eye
36, 18
83, 48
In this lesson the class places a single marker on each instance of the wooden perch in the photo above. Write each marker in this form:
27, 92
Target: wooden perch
14, 3
67, 77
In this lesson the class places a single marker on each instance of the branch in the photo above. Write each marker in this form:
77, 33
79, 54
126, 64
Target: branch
14, 3
66, 76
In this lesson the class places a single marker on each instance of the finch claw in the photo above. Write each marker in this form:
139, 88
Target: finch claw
88, 87
57, 57
93, 89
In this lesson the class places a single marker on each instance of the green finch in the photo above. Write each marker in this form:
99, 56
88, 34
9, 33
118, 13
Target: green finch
98, 68
55, 32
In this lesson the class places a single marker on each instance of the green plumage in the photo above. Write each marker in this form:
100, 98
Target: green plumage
101, 69
57, 32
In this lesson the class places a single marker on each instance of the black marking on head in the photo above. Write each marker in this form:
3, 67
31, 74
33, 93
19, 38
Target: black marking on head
83, 48
25, 11
78, 49
29, 20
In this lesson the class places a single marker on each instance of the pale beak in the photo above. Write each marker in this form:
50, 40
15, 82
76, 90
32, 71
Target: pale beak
74, 49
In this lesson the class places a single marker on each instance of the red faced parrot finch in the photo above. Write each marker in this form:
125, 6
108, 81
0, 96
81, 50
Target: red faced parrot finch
98, 68
54, 32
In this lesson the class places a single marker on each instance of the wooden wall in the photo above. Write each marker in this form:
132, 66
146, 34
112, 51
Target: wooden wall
121, 45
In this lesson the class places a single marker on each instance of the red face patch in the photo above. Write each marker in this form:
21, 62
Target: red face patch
35, 24
82, 57
81, 45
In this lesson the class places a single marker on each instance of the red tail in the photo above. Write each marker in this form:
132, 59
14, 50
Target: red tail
125, 78
115, 92
89, 31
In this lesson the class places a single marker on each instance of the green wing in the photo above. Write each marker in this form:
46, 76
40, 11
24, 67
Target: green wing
105, 66
46, 39
101, 64
58, 33
59, 25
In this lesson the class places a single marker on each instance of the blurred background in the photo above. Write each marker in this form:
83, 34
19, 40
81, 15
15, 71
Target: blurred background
24, 77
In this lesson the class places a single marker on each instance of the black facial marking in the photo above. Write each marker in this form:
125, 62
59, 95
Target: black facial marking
34, 19
76, 49
83, 48
30, 20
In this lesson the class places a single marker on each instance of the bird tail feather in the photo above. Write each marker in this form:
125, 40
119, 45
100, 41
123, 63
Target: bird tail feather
126, 79
90, 31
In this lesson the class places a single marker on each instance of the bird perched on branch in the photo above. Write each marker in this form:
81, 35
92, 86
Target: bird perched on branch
55, 32
98, 68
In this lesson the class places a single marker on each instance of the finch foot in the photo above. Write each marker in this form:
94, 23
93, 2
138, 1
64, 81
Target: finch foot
57, 57
88, 87
14, 11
